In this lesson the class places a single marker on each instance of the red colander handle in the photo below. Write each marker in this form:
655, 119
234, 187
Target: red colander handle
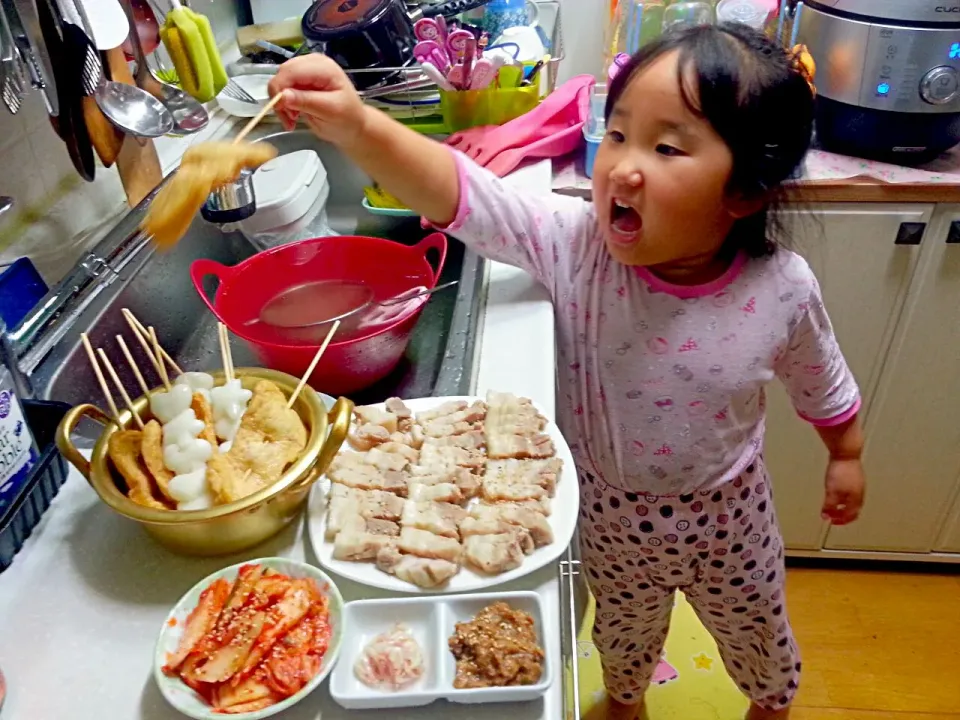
438, 242
199, 270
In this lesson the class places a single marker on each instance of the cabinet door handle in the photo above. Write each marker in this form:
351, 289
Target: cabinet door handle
911, 233
953, 237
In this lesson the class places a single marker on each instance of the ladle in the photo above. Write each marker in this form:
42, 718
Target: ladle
326, 301
189, 116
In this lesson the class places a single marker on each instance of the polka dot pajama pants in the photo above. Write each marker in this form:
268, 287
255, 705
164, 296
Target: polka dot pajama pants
721, 548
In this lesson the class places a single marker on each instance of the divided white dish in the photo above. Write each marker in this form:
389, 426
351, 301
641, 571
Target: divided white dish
563, 521
432, 620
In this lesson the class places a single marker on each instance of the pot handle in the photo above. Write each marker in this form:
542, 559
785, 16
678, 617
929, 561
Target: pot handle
199, 270
339, 420
438, 242
452, 8
65, 433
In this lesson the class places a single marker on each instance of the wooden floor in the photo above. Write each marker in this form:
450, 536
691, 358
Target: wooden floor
876, 645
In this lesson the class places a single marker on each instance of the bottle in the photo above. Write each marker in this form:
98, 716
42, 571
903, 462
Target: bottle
18, 451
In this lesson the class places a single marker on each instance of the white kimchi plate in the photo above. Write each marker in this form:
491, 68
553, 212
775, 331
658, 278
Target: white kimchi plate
563, 521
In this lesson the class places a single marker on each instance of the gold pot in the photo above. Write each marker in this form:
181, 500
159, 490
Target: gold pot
226, 528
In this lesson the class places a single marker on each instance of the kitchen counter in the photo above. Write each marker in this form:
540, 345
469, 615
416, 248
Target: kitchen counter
828, 177
83, 602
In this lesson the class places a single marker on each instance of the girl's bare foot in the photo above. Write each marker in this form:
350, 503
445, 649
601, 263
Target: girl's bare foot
610, 709
758, 713
619, 711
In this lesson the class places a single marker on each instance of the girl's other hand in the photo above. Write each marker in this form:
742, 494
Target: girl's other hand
845, 489
316, 89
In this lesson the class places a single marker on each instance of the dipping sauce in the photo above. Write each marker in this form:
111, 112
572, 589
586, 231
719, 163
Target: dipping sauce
497, 648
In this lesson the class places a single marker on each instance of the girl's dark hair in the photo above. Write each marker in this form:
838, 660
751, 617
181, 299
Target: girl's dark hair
757, 99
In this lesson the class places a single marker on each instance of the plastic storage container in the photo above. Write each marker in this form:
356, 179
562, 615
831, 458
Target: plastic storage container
755, 13
493, 106
49, 472
595, 127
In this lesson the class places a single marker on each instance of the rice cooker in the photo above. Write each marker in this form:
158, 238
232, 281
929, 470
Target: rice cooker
888, 75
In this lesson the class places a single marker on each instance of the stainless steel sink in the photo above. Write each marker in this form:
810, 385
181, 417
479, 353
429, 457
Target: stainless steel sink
157, 288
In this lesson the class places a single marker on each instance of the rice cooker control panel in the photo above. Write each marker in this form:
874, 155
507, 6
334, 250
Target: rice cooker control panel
883, 66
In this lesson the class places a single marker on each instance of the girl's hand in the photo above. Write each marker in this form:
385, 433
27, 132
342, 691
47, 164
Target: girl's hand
316, 89
845, 488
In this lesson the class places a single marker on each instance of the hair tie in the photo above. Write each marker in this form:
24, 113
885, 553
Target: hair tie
801, 61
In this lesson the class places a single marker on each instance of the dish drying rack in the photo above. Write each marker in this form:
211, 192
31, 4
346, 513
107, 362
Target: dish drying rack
404, 97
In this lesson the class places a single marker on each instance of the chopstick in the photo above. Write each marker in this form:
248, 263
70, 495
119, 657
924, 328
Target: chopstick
99, 373
123, 392
157, 354
141, 331
313, 364
254, 121
225, 353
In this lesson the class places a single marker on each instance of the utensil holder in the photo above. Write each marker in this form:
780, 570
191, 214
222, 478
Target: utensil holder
492, 106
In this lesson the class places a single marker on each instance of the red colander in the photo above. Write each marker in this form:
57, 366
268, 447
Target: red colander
387, 267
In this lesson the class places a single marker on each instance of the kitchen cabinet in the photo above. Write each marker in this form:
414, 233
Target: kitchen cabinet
912, 456
890, 276
864, 275
949, 540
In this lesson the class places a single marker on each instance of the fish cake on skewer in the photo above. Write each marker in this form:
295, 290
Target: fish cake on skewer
124, 451
151, 448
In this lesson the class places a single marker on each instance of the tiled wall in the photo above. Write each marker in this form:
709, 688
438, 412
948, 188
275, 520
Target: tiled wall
57, 215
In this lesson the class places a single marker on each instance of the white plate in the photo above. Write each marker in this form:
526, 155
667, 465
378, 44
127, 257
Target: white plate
431, 620
256, 85
563, 522
183, 698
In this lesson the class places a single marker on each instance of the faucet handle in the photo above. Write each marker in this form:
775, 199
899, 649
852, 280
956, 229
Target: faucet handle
233, 202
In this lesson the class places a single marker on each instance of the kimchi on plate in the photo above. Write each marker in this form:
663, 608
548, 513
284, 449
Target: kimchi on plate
252, 642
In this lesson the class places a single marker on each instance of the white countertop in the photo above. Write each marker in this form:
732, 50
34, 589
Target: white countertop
82, 604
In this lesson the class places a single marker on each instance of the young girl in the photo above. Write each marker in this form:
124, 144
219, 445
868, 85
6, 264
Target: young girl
674, 310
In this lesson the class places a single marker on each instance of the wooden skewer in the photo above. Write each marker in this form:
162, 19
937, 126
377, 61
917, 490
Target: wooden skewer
225, 353
120, 388
256, 120
133, 365
138, 327
313, 364
159, 358
144, 340
103, 382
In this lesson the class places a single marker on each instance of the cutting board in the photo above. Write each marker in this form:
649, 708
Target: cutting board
137, 161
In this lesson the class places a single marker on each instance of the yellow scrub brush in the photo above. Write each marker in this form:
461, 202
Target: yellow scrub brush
189, 41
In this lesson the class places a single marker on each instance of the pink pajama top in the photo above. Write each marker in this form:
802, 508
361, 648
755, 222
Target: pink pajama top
661, 387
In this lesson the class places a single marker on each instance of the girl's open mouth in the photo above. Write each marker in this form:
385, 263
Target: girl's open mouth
625, 222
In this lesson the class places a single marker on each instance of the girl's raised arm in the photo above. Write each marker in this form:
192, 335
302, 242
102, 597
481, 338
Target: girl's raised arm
416, 170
